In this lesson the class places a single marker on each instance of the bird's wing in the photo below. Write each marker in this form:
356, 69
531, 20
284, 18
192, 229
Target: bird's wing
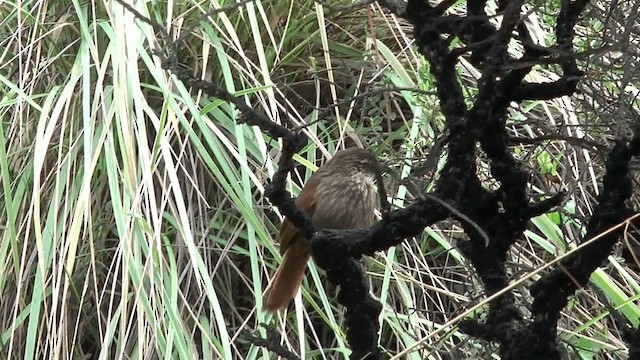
306, 202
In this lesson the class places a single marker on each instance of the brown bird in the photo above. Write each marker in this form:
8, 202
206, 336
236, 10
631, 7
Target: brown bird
339, 195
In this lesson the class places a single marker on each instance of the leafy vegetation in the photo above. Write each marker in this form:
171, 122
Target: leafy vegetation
133, 210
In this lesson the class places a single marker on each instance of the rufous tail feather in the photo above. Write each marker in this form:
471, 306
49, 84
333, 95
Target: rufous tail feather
285, 283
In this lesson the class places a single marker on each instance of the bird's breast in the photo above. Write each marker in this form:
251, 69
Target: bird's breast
345, 202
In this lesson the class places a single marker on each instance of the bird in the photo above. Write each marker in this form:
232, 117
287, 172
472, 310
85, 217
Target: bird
341, 194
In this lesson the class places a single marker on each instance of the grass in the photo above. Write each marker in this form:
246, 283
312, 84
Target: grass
134, 221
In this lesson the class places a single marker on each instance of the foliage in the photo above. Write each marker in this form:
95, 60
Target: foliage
135, 224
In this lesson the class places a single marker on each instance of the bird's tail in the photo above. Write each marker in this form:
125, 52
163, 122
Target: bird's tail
286, 282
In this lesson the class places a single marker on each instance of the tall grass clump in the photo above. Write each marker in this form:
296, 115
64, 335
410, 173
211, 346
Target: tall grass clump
134, 223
